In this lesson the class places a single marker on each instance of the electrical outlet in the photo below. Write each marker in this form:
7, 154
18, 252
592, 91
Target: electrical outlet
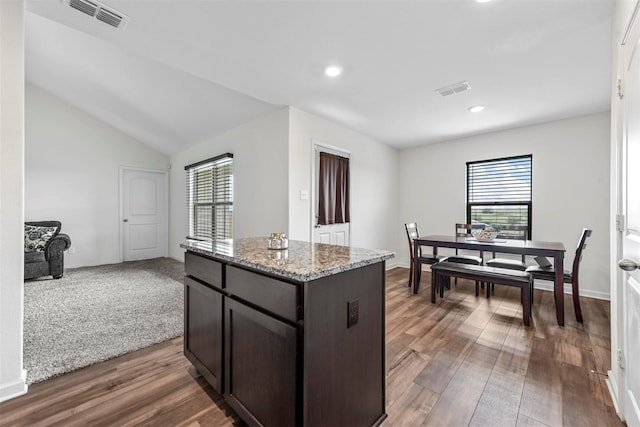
352, 313
71, 250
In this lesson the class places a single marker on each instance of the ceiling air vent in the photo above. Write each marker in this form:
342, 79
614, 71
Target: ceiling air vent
99, 11
108, 17
84, 6
453, 88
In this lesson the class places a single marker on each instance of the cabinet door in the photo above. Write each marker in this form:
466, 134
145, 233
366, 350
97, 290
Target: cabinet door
203, 330
260, 366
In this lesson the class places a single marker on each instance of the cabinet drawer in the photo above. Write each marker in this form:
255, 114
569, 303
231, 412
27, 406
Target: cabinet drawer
205, 269
273, 295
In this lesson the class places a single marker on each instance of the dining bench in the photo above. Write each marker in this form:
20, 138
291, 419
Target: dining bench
482, 273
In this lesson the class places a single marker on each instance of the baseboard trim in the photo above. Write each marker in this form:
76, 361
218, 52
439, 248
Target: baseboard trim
14, 389
612, 385
392, 265
567, 290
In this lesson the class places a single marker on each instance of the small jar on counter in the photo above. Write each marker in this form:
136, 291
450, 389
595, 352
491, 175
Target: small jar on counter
278, 241
280, 257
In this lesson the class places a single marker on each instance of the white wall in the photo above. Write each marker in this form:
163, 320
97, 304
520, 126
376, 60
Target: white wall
12, 376
272, 163
260, 172
570, 186
374, 181
72, 165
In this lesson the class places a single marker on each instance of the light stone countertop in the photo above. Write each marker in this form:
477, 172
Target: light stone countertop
302, 261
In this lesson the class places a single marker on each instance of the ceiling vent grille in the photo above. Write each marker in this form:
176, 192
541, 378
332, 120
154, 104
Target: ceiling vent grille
99, 11
108, 17
453, 88
84, 6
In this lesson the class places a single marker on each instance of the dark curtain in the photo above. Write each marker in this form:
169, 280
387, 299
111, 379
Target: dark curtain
333, 194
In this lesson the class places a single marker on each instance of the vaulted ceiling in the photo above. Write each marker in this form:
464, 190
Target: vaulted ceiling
178, 71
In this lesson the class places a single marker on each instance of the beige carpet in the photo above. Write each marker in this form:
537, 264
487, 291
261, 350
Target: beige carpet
96, 313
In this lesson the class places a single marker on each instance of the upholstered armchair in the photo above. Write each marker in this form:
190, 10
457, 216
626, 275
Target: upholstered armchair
44, 248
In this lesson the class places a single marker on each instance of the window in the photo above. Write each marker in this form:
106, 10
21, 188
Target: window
210, 199
499, 191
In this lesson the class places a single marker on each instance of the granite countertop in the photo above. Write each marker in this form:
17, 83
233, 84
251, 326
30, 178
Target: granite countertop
302, 261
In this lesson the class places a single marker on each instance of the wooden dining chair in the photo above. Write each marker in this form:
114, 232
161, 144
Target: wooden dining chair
511, 232
412, 233
549, 273
464, 230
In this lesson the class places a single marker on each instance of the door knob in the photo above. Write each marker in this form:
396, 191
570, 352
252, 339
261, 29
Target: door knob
628, 265
125, 220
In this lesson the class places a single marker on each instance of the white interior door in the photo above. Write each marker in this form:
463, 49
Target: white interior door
630, 198
144, 214
334, 234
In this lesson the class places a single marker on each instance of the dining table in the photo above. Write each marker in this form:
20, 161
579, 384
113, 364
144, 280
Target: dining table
555, 250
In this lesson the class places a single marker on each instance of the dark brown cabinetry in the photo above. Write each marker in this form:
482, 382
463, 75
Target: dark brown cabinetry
203, 316
295, 353
260, 366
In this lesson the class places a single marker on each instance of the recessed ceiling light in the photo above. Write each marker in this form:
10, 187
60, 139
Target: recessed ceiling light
333, 71
483, 1
476, 108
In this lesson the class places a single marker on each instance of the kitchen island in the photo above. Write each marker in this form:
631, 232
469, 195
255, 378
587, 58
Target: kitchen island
289, 337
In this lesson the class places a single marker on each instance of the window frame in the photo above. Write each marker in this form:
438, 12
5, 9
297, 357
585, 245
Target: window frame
512, 202
194, 206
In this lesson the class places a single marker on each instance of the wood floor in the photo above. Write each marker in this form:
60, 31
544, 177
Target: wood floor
463, 361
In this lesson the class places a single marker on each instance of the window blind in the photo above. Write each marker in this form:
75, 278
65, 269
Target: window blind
499, 191
210, 198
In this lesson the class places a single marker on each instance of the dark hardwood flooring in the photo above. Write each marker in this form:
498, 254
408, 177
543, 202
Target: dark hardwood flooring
463, 361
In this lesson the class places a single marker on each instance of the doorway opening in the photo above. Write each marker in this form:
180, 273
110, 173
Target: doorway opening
331, 216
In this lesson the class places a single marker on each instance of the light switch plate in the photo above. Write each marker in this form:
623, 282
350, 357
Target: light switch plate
304, 195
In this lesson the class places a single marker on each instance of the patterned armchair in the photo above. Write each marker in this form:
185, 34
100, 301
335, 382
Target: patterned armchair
44, 248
